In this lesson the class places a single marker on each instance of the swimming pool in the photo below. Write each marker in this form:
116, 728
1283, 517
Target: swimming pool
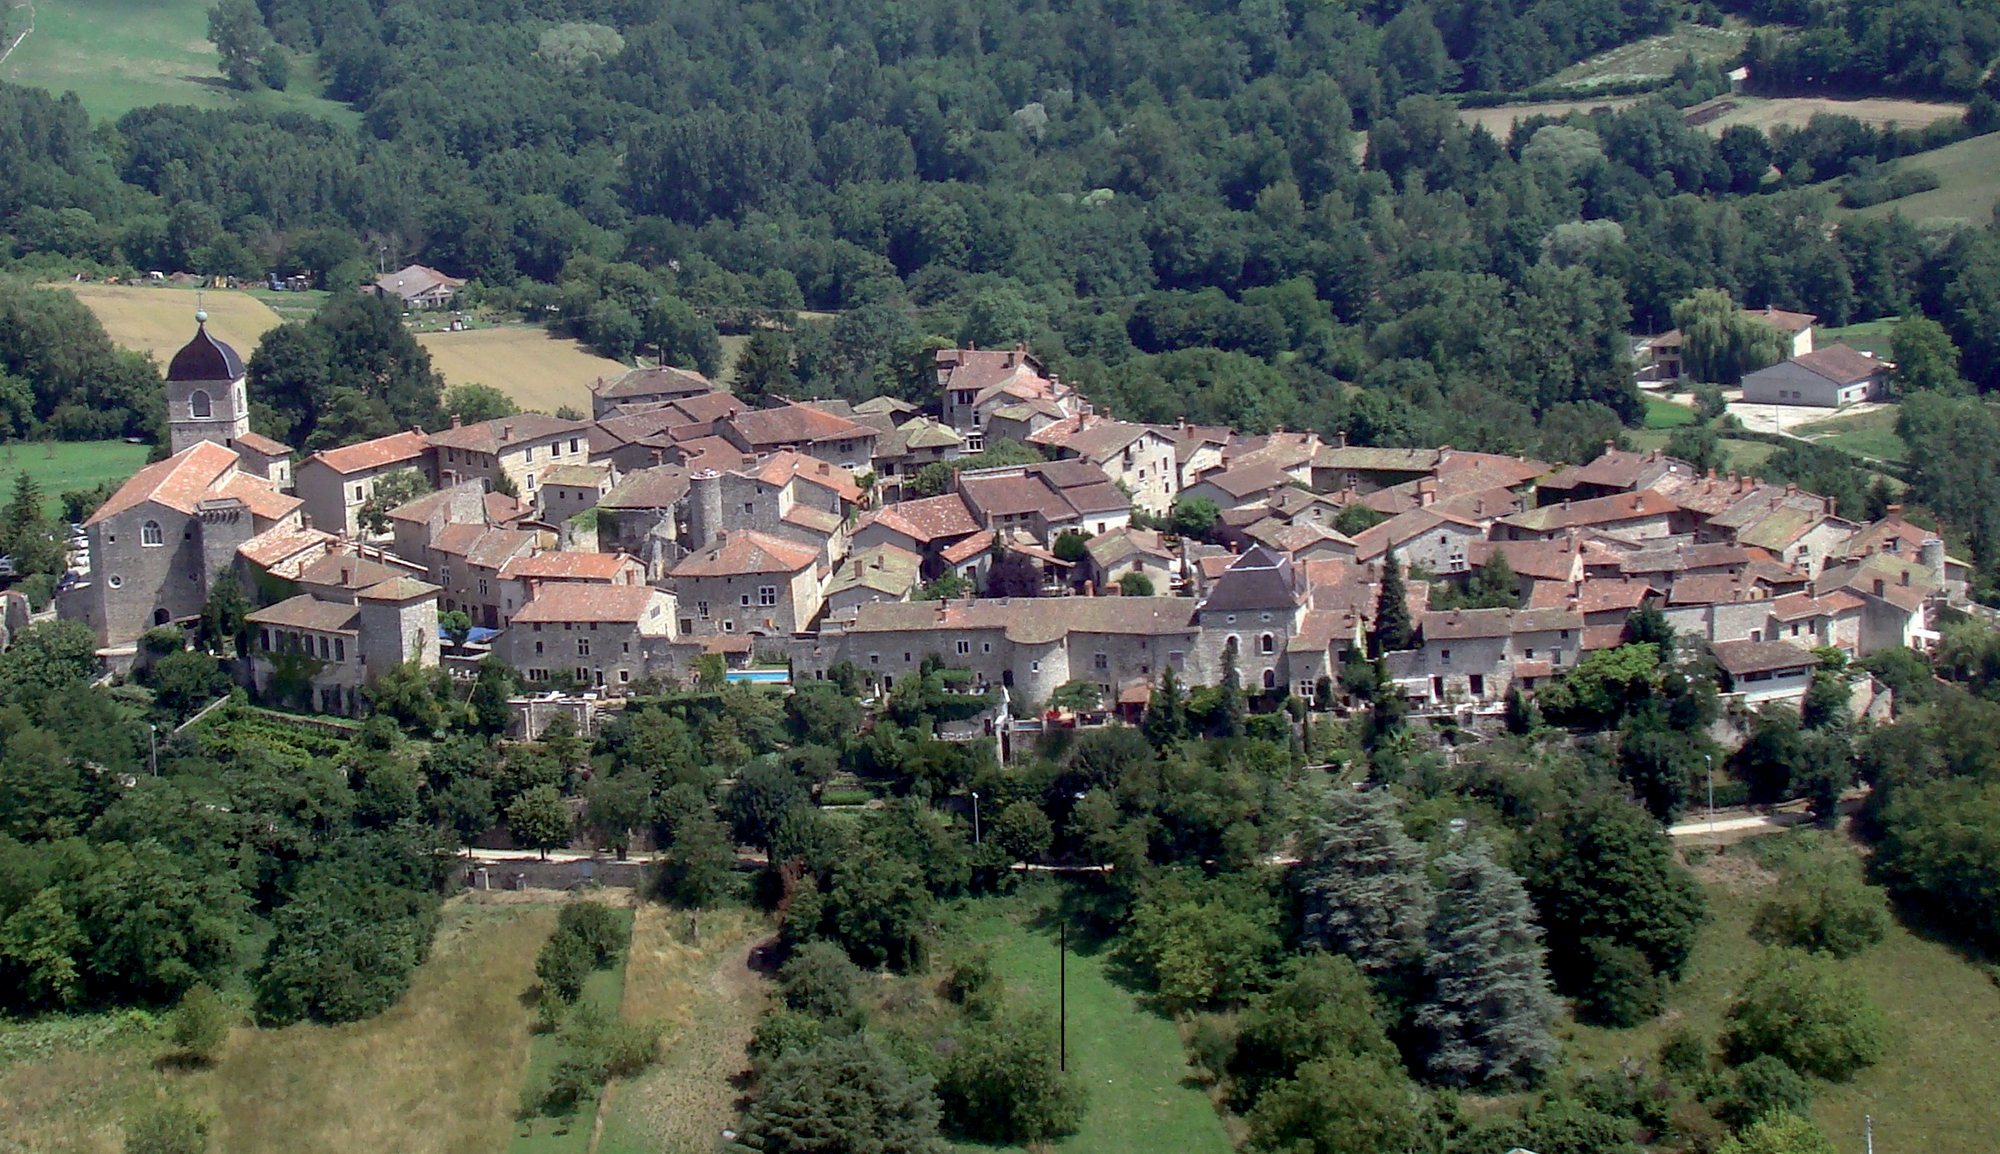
761, 676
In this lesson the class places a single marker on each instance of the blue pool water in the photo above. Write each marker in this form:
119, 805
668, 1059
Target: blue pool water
761, 676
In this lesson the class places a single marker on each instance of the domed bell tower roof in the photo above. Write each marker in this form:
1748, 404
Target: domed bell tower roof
204, 358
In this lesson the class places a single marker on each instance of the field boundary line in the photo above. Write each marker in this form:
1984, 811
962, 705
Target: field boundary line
24, 32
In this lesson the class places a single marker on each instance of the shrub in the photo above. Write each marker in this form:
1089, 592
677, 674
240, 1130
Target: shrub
1803, 1009
819, 981
563, 966
598, 927
781, 1032
974, 985
1764, 1085
1619, 986
1824, 906
201, 1023
169, 1126
1002, 1084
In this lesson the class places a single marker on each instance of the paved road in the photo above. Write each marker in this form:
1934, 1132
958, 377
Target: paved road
1760, 823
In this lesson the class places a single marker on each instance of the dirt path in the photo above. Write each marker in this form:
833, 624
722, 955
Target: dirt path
16, 43
710, 999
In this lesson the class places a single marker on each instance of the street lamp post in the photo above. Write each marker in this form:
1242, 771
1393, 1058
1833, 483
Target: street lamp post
1710, 759
153, 741
975, 817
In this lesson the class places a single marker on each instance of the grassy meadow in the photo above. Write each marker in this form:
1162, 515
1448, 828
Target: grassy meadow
61, 466
1768, 112
117, 55
1655, 57
1868, 336
1871, 434
539, 370
1129, 1057
1934, 1092
1662, 413
603, 990
160, 319
1970, 174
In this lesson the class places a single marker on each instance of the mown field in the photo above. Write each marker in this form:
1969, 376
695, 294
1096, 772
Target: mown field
538, 370
1768, 112
1936, 1090
1868, 336
1871, 434
1130, 1058
159, 320
1738, 454
117, 55
1969, 172
61, 466
1662, 413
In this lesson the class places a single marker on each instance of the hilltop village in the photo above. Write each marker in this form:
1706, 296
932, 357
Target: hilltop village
606, 554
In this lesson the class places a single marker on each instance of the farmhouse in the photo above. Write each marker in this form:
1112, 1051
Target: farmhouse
418, 287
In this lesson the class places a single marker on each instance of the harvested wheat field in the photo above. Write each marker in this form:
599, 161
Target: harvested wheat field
538, 370
439, 1073
160, 320
1768, 112
709, 998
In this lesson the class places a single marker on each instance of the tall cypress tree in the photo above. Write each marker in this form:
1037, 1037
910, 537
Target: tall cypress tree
1392, 628
1491, 1012
1166, 713
1235, 711
1363, 883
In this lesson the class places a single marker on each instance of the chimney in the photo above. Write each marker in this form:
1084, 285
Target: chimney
1906, 578
1893, 513
346, 575
1340, 440
455, 422
1791, 488
824, 469
857, 568
1090, 587
306, 520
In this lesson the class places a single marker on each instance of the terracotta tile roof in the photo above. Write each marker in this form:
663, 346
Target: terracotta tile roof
1603, 636
1371, 459
1783, 321
1378, 539
966, 550
180, 482
412, 281
1802, 606
783, 466
1715, 589
1594, 511
382, 452
506, 432
666, 381
1841, 364
1488, 470
1037, 621
568, 565
399, 589
883, 569
346, 571
1591, 597
794, 425
1527, 669
285, 543
264, 501
565, 602
1013, 497
1454, 624
1091, 437
308, 612
504, 510
659, 487
817, 521
1247, 480
746, 551
1904, 584
1559, 559
259, 443
1738, 658
1879, 536
1107, 549
928, 519
576, 476
708, 453
1620, 469
1296, 536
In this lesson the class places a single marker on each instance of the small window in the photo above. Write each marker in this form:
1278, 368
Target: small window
583, 647
964, 648
538, 649
150, 534
744, 601
1100, 662
1444, 656
1034, 667
1266, 644
767, 595
624, 675
199, 405
1270, 679
572, 446
728, 626
701, 610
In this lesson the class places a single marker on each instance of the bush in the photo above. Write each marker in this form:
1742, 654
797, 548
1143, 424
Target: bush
1824, 906
974, 985
169, 1126
1619, 987
820, 981
592, 1050
782, 1032
1764, 1085
201, 1023
1002, 1084
564, 965
598, 927
1803, 1009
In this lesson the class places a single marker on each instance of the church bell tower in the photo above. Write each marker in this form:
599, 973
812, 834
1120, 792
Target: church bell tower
207, 398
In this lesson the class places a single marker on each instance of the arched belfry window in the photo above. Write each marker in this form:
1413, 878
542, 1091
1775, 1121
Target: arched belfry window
199, 405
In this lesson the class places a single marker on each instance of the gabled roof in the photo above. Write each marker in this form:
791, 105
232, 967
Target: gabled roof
1738, 658
570, 565
1373, 459
794, 424
1031, 621
568, 601
1594, 511
413, 281
285, 546
926, 520
660, 487
665, 381
1378, 539
259, 443
1904, 584
180, 482
746, 551
1457, 624
576, 476
1558, 559
782, 467
346, 571
1841, 364
205, 359
308, 612
394, 449
1247, 480
887, 405
505, 432
883, 569
1108, 549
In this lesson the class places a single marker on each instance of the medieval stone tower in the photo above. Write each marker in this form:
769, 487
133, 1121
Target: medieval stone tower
207, 399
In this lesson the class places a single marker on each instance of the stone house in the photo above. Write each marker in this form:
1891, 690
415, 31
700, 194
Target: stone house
520, 449
604, 636
1641, 516
417, 287
1136, 457
1364, 469
1045, 500
926, 527
1241, 486
335, 483
567, 490
320, 649
748, 583
1255, 606
642, 514
1757, 672
1120, 552
162, 543
642, 389
1895, 594
804, 429
1430, 538
465, 562
523, 575
973, 384
1476, 655
882, 573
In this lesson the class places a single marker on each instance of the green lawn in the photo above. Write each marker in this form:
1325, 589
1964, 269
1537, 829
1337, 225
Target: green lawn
1970, 171
1936, 1090
1655, 57
1871, 435
1737, 454
1130, 1058
569, 1135
60, 466
117, 55
1868, 336
1664, 414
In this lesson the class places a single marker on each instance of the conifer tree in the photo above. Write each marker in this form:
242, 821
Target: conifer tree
1491, 1010
1363, 883
1166, 713
1235, 711
1392, 628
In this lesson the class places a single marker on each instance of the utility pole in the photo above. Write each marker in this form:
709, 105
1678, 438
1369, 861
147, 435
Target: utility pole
1062, 997
1868, 1131
1710, 759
